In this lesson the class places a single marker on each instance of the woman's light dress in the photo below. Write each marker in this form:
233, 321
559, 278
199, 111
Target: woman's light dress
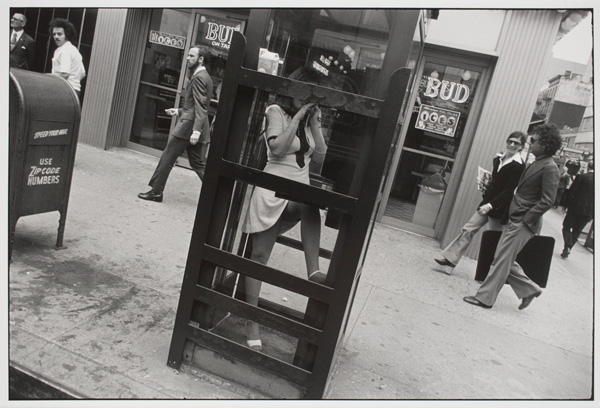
265, 208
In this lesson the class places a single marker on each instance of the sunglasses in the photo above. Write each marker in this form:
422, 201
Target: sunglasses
513, 142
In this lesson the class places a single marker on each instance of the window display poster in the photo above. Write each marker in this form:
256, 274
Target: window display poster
169, 40
437, 120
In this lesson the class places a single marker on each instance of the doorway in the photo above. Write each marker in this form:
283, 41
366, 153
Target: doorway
445, 104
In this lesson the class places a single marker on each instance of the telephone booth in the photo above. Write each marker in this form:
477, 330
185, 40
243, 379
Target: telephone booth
364, 55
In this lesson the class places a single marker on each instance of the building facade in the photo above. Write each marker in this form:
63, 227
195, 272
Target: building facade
567, 102
476, 77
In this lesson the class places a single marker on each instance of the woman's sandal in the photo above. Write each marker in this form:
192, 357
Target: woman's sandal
255, 345
317, 277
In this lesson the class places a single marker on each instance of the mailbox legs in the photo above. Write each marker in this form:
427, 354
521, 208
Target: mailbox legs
61, 231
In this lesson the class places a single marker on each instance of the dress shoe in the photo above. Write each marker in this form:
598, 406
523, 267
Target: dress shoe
151, 196
527, 300
473, 300
565, 253
444, 262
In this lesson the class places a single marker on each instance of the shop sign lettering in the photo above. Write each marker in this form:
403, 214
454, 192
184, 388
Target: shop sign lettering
220, 35
446, 90
321, 65
437, 120
43, 173
170, 40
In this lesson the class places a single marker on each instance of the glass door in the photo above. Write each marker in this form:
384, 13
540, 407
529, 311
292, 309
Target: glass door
438, 125
160, 82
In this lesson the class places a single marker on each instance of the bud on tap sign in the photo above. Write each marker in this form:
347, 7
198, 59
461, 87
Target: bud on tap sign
445, 90
218, 32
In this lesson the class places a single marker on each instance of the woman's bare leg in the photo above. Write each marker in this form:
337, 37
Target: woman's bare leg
310, 232
262, 246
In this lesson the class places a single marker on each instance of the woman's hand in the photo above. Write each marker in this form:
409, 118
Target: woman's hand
303, 110
315, 116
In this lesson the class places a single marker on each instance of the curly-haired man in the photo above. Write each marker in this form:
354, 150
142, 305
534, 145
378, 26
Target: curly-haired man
67, 61
534, 196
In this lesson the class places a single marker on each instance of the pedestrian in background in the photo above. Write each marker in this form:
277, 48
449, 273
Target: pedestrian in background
192, 132
22, 46
534, 196
493, 210
563, 184
67, 62
579, 206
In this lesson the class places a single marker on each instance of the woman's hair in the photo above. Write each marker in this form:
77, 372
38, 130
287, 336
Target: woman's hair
70, 33
301, 74
307, 75
518, 135
549, 137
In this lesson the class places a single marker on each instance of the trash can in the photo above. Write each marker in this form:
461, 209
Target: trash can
431, 194
428, 206
44, 114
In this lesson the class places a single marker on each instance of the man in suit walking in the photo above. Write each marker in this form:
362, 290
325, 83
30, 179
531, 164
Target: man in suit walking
579, 206
534, 196
22, 46
192, 132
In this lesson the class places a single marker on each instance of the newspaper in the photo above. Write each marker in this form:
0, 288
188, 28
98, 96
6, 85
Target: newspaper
484, 177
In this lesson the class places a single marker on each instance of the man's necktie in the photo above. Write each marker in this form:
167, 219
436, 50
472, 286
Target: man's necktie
13, 40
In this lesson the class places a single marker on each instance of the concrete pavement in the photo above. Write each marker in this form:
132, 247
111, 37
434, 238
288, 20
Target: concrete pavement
96, 318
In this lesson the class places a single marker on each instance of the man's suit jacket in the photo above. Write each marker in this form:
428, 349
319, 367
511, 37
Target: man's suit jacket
535, 193
193, 115
23, 54
580, 198
500, 192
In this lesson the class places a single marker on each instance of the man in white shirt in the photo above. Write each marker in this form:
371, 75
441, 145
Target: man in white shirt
22, 46
67, 61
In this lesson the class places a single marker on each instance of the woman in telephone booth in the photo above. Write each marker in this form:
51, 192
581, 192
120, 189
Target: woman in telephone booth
293, 136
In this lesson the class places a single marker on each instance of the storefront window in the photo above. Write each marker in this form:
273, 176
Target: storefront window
164, 59
162, 80
215, 32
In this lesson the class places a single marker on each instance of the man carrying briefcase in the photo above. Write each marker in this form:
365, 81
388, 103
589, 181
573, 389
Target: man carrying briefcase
534, 196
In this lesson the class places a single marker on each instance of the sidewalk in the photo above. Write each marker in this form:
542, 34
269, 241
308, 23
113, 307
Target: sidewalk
96, 318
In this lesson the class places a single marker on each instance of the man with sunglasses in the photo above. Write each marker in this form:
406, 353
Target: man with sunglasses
493, 209
534, 195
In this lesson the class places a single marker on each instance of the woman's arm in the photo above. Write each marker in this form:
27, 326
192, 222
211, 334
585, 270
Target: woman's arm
314, 124
280, 142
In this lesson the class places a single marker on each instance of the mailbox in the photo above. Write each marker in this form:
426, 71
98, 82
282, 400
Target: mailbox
44, 118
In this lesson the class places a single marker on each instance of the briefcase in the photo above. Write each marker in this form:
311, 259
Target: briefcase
535, 258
